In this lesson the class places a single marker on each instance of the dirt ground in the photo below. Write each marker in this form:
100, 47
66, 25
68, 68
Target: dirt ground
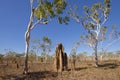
85, 70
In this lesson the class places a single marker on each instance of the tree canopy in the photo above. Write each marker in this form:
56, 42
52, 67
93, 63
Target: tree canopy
49, 9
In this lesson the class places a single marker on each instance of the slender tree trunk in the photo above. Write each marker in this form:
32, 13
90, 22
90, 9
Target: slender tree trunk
101, 57
27, 37
27, 41
96, 57
36, 56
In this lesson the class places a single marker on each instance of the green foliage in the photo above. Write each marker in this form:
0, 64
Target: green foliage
60, 20
40, 12
47, 40
97, 12
66, 19
106, 2
44, 10
32, 55
60, 5
104, 29
43, 46
50, 9
1, 57
63, 20
81, 36
46, 45
86, 36
107, 7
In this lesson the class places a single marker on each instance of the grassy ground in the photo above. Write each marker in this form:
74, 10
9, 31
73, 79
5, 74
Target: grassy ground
108, 70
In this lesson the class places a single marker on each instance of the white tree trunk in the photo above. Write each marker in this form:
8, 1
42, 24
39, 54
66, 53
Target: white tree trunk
96, 57
27, 41
27, 37
101, 57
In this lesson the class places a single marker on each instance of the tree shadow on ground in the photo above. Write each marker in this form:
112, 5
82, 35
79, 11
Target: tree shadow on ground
108, 65
82, 68
78, 68
31, 76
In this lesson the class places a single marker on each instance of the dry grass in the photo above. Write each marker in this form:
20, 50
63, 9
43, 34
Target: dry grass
108, 70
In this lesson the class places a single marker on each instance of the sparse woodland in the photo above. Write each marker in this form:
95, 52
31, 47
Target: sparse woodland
35, 63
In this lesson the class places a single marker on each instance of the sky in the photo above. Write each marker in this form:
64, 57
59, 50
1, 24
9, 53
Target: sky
14, 18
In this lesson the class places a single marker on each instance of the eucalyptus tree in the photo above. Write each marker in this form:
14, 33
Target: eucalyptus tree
93, 22
73, 54
43, 13
35, 45
46, 46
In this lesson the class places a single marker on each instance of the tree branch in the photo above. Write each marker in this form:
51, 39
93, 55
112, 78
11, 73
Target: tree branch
109, 44
39, 22
45, 22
